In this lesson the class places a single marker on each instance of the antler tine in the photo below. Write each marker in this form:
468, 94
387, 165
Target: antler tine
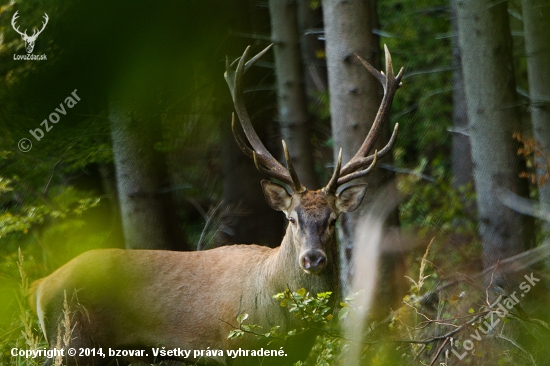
362, 162
333, 183
44, 23
390, 83
298, 188
264, 161
360, 173
15, 27
253, 60
354, 168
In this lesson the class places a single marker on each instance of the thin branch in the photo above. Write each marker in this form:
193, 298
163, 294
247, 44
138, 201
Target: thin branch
418, 354
428, 71
207, 224
524, 205
439, 351
198, 207
407, 171
45, 190
518, 347
446, 335
263, 37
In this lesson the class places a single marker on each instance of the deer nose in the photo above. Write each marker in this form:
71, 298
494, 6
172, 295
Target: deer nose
313, 260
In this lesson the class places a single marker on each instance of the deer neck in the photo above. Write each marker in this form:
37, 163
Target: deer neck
284, 270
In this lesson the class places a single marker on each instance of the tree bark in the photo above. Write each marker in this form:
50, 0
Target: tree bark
486, 48
255, 222
250, 219
354, 101
461, 150
536, 23
354, 93
461, 153
109, 184
310, 24
149, 218
293, 116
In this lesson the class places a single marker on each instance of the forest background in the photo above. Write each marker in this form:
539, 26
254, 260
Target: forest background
146, 158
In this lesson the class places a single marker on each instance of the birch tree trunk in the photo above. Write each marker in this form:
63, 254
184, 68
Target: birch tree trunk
354, 101
461, 151
536, 23
486, 49
310, 23
291, 97
461, 158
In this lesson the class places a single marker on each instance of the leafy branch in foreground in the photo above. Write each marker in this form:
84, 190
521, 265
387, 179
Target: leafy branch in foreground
313, 313
307, 308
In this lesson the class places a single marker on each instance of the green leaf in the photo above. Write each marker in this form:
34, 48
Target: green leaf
242, 317
235, 333
343, 313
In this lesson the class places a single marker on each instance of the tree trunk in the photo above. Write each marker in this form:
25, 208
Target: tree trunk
486, 48
291, 97
354, 100
310, 23
109, 184
461, 151
148, 216
250, 220
536, 23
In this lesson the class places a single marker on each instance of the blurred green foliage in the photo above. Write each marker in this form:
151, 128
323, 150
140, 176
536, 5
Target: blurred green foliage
53, 202
314, 313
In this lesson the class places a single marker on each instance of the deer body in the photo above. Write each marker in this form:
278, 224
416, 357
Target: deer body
147, 299
152, 298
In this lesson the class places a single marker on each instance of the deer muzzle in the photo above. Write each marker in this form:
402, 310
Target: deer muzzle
313, 260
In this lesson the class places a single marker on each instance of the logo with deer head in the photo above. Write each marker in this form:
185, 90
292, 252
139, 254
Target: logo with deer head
29, 40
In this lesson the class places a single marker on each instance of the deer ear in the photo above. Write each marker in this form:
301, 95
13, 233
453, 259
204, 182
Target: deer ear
276, 196
350, 198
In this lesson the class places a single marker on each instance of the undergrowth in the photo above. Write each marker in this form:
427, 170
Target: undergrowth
462, 321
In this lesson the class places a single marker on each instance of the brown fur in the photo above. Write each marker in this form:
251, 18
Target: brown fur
312, 200
138, 299
32, 295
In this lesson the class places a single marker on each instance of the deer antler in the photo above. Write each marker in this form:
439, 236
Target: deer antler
354, 168
265, 162
16, 28
37, 32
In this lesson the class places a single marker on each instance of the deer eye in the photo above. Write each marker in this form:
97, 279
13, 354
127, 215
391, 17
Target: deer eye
292, 220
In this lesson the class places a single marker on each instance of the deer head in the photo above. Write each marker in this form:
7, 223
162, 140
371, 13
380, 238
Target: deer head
29, 40
312, 214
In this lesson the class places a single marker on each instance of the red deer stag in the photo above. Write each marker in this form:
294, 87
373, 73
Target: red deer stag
150, 301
